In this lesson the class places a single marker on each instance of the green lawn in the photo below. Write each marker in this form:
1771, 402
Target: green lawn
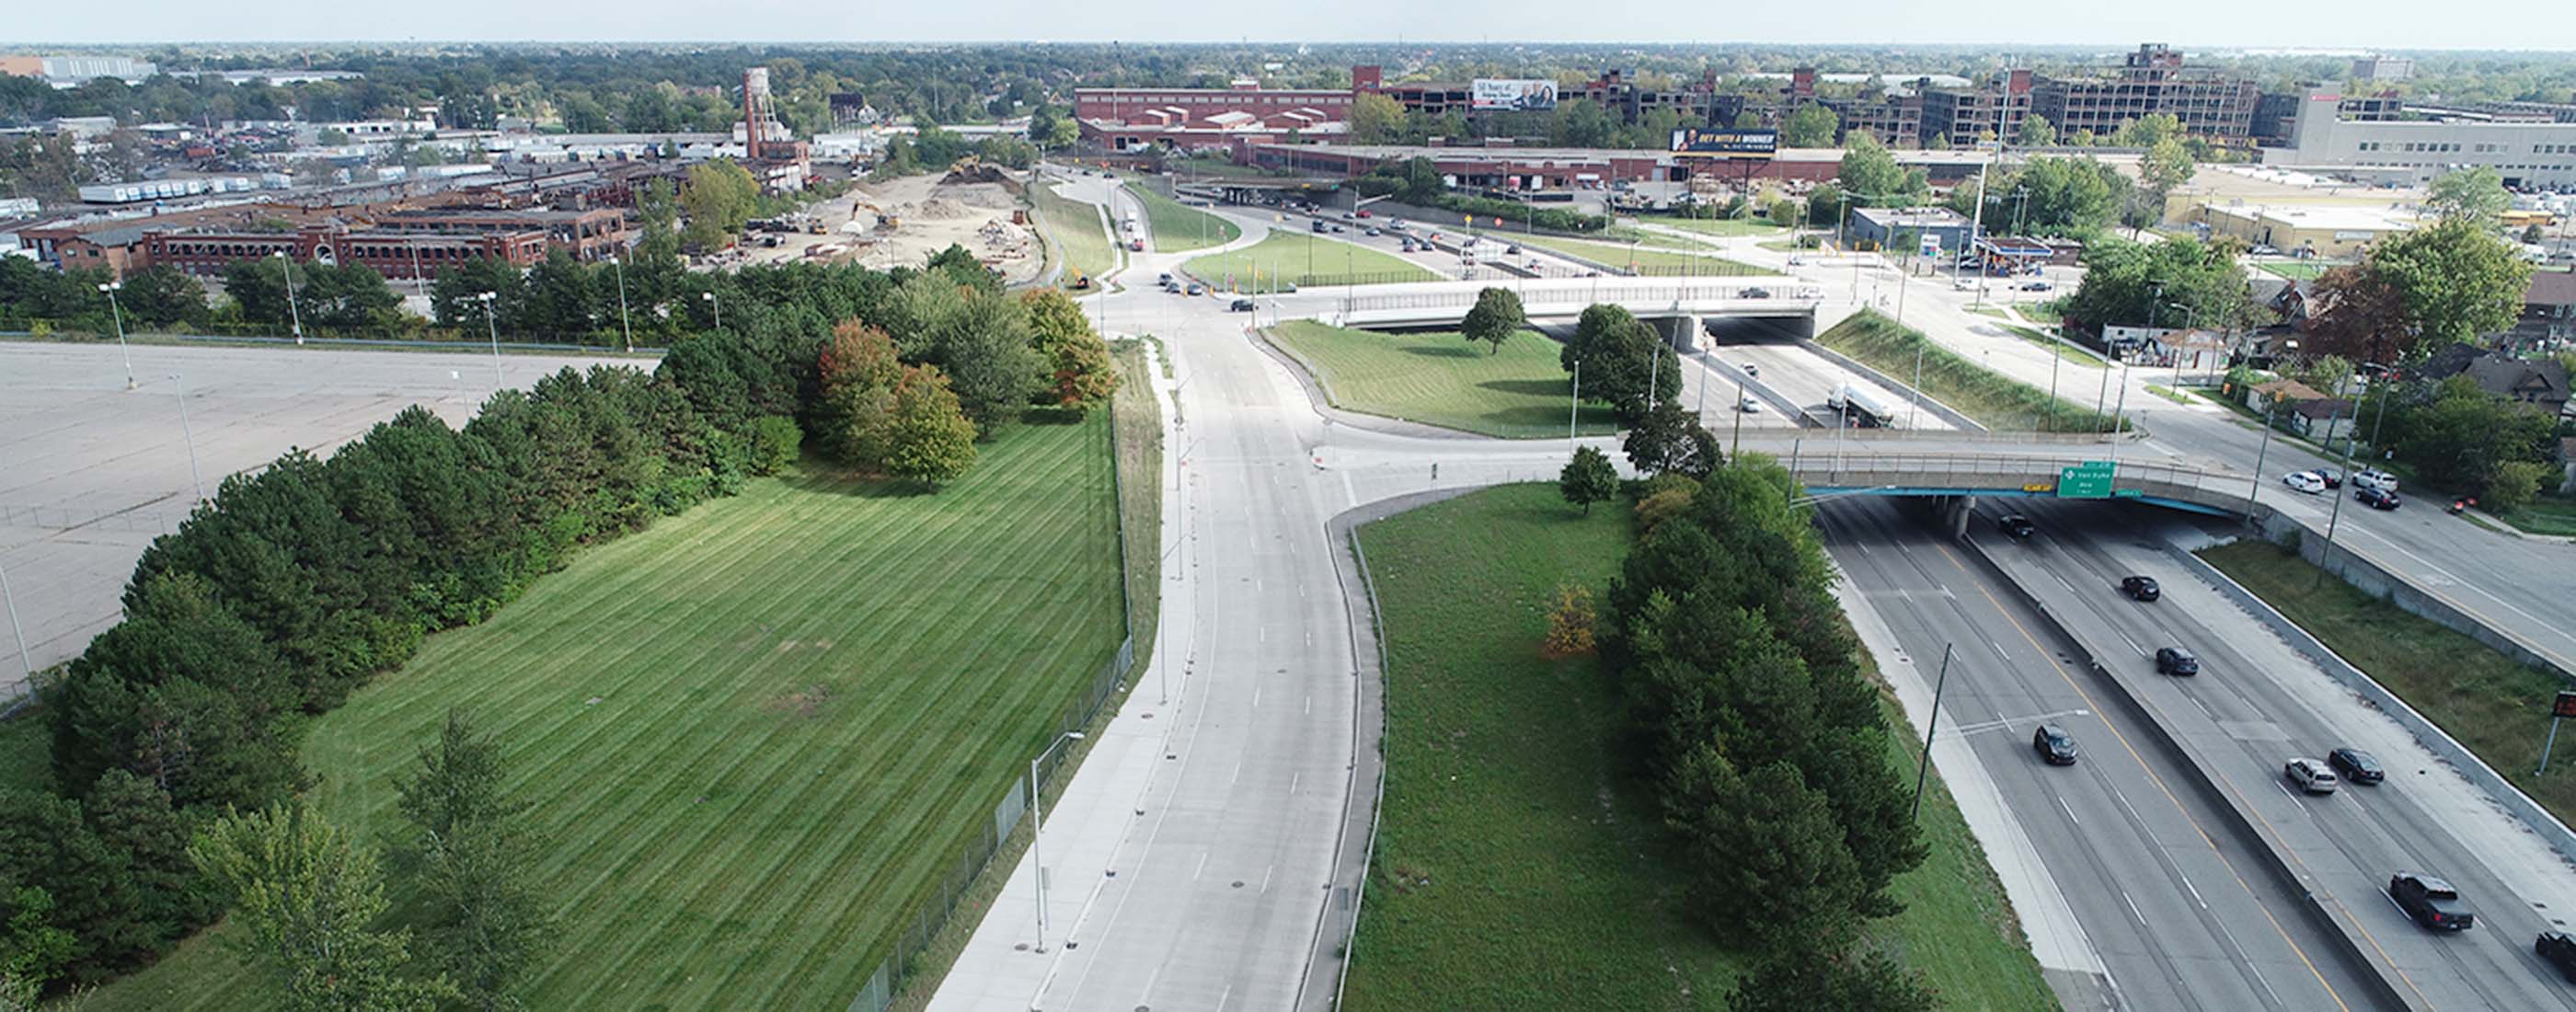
1994, 400
1438, 378
1307, 260
2296, 270
2486, 700
1074, 229
2038, 312
1620, 255
1720, 227
1179, 228
26, 752
1518, 865
2548, 514
2067, 350
756, 736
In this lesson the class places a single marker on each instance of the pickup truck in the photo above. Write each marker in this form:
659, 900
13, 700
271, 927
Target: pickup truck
2430, 901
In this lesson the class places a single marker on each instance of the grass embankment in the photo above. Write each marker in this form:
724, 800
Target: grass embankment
2552, 515
1519, 865
2067, 350
1720, 227
1644, 258
2488, 701
1440, 379
1179, 228
1075, 230
1995, 401
756, 736
1305, 259
2039, 312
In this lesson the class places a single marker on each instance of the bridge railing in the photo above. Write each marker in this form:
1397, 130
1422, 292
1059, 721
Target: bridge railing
1631, 294
1824, 468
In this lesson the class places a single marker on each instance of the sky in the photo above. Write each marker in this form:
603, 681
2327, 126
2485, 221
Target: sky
2187, 24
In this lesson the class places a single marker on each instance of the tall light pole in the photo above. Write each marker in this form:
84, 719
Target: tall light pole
1037, 831
18, 631
714, 306
111, 288
493, 329
287, 264
1575, 403
195, 477
623, 322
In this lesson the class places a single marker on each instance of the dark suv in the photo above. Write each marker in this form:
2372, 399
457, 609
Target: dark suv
2015, 525
2430, 901
2557, 949
2356, 765
2054, 745
2176, 661
2142, 588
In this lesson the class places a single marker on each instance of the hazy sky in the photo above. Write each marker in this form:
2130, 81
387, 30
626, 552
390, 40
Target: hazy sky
2391, 24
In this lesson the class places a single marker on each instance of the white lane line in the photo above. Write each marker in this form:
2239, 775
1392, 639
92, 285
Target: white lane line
1310, 704
1236, 775
2186, 887
1223, 998
2133, 908
1265, 877
2133, 644
1999, 650
2070, 813
2139, 819
2061, 581
1201, 869
1256, 697
2294, 799
1294, 780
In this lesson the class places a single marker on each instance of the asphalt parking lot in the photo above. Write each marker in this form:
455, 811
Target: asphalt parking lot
91, 472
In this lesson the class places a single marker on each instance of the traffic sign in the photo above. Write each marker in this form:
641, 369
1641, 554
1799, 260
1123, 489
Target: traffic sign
2088, 480
2565, 706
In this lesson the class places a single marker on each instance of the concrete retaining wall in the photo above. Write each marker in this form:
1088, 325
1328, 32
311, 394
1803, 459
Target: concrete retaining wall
2501, 790
2386, 992
2380, 583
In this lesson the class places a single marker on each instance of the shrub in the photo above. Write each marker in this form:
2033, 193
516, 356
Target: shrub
1569, 623
773, 444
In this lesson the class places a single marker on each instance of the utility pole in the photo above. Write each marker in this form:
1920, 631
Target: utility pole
121, 349
624, 323
287, 264
1574, 403
1931, 726
196, 478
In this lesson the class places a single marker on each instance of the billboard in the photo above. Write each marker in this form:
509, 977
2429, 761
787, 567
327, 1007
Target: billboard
1511, 94
1698, 142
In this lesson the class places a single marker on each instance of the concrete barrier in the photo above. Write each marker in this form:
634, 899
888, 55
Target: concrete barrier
2376, 581
1939, 410
2387, 992
2431, 736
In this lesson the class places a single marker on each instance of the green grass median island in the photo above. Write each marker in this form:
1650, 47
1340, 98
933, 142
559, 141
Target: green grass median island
1720, 227
1647, 257
1995, 401
1074, 229
1306, 259
757, 736
1439, 378
1519, 864
1180, 228
2496, 706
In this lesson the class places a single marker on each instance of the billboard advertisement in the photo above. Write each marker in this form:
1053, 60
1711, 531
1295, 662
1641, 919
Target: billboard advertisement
1699, 142
1511, 94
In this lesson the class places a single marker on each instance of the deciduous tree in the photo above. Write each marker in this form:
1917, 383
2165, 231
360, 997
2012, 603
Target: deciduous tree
1810, 126
305, 896
2474, 194
2457, 279
1495, 318
928, 439
468, 853
1588, 479
1669, 440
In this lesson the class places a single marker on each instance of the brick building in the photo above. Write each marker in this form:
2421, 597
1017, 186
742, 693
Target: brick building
590, 234
396, 255
2150, 81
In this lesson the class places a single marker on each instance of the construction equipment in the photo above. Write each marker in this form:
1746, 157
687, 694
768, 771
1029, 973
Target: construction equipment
972, 169
885, 222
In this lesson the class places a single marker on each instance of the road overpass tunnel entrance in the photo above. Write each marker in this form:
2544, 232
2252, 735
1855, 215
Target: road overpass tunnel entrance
1718, 331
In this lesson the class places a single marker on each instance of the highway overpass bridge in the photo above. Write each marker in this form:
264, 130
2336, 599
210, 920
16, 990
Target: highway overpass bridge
1681, 307
1956, 480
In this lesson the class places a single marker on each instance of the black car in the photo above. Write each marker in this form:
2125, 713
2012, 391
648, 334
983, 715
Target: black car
2142, 588
2015, 525
2054, 745
2176, 661
2430, 902
2356, 765
1239, 306
2333, 477
2557, 949
2374, 497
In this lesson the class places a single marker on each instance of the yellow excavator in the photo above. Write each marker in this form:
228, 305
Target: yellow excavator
885, 222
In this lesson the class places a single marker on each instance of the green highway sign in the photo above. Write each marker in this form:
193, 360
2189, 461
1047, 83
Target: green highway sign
2088, 480
2127, 493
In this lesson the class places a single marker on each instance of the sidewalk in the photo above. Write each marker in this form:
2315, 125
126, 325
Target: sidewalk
1004, 967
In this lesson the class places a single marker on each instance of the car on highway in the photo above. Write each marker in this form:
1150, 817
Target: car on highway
2310, 775
1366, 213
1319, 226
2140, 588
2305, 482
1164, 279
2331, 476
2054, 745
2036, 286
2356, 765
2430, 902
2015, 525
1963, 285
2558, 949
1754, 293
1239, 306
2176, 661
1749, 406
2373, 497
1512, 250
1750, 369
1197, 288
2375, 478
1374, 230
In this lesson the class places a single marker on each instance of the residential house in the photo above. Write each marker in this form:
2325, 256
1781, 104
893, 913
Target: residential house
2548, 312
2324, 419
2539, 382
2567, 463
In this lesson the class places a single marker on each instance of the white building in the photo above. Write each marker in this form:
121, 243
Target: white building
2526, 154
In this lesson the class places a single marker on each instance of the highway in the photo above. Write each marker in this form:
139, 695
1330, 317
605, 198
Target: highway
2179, 919
2255, 706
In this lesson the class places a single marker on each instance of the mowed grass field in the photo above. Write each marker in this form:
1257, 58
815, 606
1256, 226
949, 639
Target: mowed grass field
757, 735
1619, 254
1438, 378
1720, 227
1332, 262
1074, 228
1179, 228
1518, 864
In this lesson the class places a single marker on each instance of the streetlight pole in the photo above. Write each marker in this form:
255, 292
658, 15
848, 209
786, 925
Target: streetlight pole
287, 264
1575, 403
2256, 488
121, 349
2336, 514
624, 323
1931, 726
195, 477
1037, 831
493, 329
1738, 449
18, 631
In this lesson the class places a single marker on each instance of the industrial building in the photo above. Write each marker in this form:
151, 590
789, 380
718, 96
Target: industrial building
396, 255
2338, 233
2528, 153
1502, 166
2152, 80
1888, 227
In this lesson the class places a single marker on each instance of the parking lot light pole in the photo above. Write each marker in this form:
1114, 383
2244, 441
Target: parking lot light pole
1931, 726
624, 322
714, 306
1574, 404
492, 329
17, 631
1037, 831
287, 264
2336, 513
195, 477
111, 288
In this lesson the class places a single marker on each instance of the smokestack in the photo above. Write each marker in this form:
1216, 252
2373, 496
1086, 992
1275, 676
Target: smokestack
755, 110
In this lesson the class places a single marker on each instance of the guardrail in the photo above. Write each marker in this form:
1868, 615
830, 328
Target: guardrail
1790, 297
2223, 490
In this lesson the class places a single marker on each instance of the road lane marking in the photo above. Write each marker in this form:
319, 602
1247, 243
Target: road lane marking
2133, 908
1201, 869
2070, 813
2186, 887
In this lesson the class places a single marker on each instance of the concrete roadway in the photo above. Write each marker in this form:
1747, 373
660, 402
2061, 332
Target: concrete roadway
2256, 705
2178, 920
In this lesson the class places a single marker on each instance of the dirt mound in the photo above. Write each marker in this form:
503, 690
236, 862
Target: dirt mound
938, 209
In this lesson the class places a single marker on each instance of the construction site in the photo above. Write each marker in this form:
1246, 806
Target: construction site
902, 222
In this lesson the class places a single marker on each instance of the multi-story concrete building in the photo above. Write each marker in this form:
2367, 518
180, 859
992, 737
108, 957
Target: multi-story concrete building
2527, 154
2150, 81
396, 255
2275, 111
591, 234
1965, 114
2382, 68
